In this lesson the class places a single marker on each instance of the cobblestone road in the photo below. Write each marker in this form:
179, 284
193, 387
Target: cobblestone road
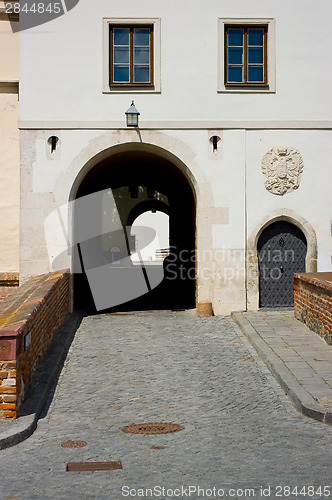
241, 433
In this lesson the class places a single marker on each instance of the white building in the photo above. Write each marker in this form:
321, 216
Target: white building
234, 138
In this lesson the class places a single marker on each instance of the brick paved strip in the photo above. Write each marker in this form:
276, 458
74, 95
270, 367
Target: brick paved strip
303, 401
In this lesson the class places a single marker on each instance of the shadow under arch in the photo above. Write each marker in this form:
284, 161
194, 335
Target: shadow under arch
146, 167
252, 277
133, 147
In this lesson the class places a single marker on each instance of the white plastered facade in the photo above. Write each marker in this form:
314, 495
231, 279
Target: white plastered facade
178, 119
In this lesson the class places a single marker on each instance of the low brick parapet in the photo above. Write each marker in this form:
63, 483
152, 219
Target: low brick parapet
313, 302
29, 319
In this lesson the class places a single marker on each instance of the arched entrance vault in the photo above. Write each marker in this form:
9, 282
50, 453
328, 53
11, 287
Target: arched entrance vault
252, 277
140, 178
127, 147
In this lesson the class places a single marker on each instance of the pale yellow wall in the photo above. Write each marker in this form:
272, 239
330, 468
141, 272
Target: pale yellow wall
9, 151
9, 53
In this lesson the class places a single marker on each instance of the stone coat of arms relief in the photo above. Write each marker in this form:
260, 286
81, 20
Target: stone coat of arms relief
282, 166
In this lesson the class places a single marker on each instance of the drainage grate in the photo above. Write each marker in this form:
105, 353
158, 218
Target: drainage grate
152, 428
74, 444
92, 466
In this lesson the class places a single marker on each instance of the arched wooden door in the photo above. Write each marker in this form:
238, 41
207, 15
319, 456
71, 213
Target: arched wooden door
281, 250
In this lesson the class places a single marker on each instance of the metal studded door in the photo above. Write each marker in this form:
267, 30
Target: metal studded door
281, 250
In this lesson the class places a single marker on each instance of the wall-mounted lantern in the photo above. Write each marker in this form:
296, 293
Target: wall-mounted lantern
132, 115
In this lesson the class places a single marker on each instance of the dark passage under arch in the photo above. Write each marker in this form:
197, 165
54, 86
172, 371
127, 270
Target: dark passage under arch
142, 181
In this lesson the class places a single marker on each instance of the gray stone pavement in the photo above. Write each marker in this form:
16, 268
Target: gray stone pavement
241, 433
300, 360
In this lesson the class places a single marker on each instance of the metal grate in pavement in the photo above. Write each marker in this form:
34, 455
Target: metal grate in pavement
92, 466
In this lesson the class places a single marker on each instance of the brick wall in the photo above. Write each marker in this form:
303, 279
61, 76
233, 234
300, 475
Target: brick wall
29, 319
313, 302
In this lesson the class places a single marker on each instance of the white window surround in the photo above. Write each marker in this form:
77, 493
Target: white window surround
271, 63
156, 55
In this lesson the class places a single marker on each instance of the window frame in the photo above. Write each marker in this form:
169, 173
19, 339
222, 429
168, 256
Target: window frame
268, 24
109, 86
131, 56
245, 65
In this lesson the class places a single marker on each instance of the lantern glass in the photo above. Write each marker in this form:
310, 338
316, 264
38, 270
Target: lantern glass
132, 116
132, 120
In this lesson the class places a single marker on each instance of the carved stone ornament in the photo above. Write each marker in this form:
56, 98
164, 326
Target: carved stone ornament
282, 166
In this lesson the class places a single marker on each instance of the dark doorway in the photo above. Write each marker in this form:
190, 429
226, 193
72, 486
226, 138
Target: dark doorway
281, 249
143, 181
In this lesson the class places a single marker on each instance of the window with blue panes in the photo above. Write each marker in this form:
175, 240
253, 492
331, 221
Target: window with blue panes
131, 55
246, 55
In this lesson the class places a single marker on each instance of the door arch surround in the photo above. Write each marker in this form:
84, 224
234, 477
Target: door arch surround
148, 166
252, 272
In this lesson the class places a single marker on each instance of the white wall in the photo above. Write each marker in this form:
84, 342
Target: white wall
312, 200
61, 63
61, 94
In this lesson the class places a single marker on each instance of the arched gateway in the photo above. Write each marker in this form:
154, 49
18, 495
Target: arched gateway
139, 178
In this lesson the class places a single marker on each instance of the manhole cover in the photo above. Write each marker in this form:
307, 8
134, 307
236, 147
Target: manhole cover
74, 444
152, 428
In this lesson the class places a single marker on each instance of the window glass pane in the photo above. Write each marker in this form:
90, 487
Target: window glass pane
235, 74
121, 54
235, 55
255, 55
255, 36
255, 74
121, 73
235, 37
121, 36
142, 36
142, 55
141, 74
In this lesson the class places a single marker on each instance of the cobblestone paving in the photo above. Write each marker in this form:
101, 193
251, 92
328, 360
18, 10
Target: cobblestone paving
241, 433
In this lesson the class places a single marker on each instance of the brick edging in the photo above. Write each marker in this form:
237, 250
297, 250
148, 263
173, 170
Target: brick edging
315, 280
20, 429
313, 302
29, 320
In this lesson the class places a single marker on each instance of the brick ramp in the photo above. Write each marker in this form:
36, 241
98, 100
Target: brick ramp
13, 431
30, 318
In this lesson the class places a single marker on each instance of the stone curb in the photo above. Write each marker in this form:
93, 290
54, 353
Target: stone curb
22, 427
303, 401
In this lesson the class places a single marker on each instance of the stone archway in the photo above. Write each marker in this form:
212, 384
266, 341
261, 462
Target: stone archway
285, 215
138, 179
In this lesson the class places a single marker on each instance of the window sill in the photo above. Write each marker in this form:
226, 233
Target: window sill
131, 89
246, 88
